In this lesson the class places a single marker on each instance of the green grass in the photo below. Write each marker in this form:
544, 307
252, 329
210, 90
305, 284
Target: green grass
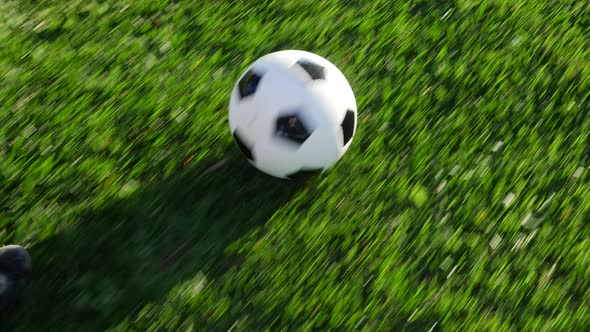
118, 172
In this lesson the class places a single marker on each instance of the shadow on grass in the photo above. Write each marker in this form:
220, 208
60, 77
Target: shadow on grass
133, 250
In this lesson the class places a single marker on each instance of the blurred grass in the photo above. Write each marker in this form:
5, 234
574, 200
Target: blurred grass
463, 203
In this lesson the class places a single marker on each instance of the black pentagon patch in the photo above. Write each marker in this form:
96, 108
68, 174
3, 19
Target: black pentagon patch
315, 71
304, 174
246, 151
248, 84
291, 128
348, 126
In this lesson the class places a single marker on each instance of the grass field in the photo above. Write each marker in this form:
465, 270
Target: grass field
463, 203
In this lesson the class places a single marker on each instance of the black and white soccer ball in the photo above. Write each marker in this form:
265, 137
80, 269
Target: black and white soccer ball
291, 113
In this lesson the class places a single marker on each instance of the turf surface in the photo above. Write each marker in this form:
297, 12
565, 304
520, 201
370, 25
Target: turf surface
463, 203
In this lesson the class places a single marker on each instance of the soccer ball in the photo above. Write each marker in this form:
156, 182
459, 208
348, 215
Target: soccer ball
292, 113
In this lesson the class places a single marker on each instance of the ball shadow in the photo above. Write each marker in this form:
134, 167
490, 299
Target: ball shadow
131, 251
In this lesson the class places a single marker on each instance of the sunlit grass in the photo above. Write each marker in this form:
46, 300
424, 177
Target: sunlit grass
462, 204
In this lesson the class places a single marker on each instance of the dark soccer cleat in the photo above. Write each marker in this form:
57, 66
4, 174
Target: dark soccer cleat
15, 268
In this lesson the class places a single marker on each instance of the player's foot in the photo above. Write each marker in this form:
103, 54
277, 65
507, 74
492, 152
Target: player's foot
15, 267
